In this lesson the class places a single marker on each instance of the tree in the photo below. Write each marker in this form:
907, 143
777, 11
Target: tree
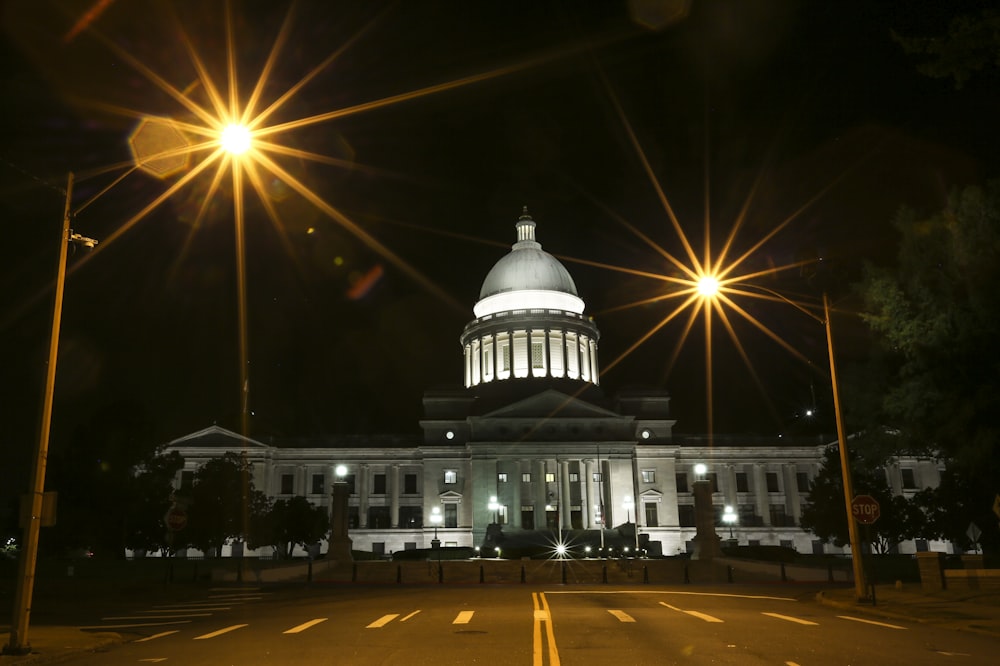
291, 522
222, 503
110, 469
825, 512
938, 312
971, 45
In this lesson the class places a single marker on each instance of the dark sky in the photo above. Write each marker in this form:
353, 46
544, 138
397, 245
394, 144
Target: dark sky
809, 107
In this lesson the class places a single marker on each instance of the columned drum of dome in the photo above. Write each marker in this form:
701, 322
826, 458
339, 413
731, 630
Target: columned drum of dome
529, 320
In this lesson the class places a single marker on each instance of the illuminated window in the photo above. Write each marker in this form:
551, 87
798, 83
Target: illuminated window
505, 354
648, 476
536, 355
526, 477
597, 477
574, 477
550, 477
502, 477
450, 476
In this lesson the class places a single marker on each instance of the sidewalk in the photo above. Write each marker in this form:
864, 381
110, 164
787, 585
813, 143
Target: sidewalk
50, 645
966, 610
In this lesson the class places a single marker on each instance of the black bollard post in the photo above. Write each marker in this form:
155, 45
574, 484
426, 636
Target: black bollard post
564, 573
645, 574
482, 577
784, 577
440, 573
604, 573
687, 574
829, 573
399, 573
354, 573
729, 573
523, 579
309, 574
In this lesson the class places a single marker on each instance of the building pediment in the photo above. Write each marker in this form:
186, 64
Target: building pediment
551, 404
215, 437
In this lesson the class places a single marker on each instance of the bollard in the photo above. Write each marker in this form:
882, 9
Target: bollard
399, 573
687, 574
564, 573
354, 573
440, 573
729, 573
482, 577
604, 573
309, 573
523, 579
829, 573
645, 574
784, 577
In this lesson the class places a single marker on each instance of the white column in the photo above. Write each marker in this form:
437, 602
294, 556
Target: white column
760, 492
588, 485
394, 496
564, 491
362, 483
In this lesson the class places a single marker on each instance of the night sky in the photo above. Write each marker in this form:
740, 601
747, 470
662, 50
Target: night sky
806, 109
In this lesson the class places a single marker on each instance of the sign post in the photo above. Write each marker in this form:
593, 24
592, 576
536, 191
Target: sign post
866, 511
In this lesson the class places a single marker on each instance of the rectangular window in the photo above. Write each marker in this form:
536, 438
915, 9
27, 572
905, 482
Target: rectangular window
574, 477
713, 480
451, 515
921, 545
682, 483
378, 547
318, 484
505, 354
802, 481
409, 545
349, 480
772, 482
597, 477
909, 479
651, 517
353, 521
378, 484
378, 517
411, 517
502, 477
537, 361
778, 517
648, 476
527, 517
410, 484
817, 546
502, 514
685, 515
748, 515
287, 484
786, 543
526, 477
742, 482
550, 477
450, 476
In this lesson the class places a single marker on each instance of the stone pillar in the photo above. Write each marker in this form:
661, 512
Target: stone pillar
706, 541
541, 495
340, 543
394, 496
931, 567
588, 494
514, 510
362, 481
791, 493
760, 493
566, 519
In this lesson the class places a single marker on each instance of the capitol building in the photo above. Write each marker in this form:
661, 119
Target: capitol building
528, 444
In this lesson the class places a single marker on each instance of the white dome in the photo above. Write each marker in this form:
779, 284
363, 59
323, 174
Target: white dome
528, 277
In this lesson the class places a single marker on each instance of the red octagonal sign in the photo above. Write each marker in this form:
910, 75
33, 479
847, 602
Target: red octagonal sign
865, 509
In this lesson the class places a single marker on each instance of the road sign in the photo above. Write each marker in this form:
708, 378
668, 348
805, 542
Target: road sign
176, 518
865, 509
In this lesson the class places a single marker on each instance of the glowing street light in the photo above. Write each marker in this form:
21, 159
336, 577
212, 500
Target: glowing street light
235, 139
493, 506
708, 286
699, 471
730, 518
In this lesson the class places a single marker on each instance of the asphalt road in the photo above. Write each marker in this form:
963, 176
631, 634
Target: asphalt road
440, 625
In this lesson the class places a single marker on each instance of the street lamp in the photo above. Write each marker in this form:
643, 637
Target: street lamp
29, 557
436, 519
493, 506
629, 505
730, 518
699, 471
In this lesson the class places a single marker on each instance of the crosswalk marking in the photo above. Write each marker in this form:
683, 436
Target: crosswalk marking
464, 617
155, 636
622, 616
305, 625
382, 621
119, 618
700, 616
219, 632
790, 618
880, 624
409, 616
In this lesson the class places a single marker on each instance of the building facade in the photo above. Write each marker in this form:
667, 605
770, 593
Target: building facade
531, 445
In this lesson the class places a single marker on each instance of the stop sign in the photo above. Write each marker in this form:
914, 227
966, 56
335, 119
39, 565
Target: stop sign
865, 509
176, 518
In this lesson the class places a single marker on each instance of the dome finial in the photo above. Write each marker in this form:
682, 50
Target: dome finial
525, 229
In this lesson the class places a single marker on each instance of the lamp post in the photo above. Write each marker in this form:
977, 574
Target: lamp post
629, 505
29, 556
860, 581
493, 506
730, 518
436, 519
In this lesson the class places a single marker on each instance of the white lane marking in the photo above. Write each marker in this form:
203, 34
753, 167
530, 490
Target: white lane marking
219, 632
409, 616
954, 654
305, 625
154, 660
790, 618
464, 617
622, 616
382, 621
155, 636
135, 624
693, 594
880, 624
790, 663
158, 617
700, 616
182, 607
235, 597
234, 589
